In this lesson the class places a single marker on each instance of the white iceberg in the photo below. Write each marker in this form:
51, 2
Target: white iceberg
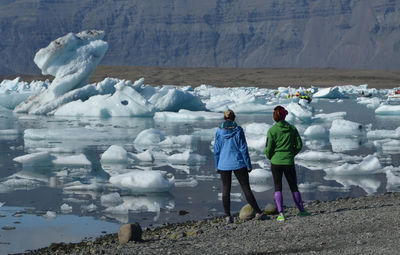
387, 109
71, 59
346, 128
138, 181
369, 165
316, 132
331, 92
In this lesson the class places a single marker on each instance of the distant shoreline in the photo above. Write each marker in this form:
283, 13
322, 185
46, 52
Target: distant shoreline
241, 77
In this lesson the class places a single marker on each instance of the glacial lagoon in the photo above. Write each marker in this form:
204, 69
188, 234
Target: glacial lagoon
75, 196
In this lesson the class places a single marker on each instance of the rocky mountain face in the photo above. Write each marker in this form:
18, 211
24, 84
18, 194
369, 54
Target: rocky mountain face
357, 34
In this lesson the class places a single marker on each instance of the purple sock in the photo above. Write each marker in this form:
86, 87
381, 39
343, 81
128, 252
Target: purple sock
279, 200
298, 201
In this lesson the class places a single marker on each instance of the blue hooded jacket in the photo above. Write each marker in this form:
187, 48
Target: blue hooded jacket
230, 149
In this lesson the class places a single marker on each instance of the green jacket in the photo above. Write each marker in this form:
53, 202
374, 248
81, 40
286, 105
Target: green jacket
283, 143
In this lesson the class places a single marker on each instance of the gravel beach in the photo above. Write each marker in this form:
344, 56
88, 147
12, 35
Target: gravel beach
365, 225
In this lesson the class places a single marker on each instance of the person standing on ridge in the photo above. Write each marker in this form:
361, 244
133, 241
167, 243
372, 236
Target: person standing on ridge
231, 155
283, 144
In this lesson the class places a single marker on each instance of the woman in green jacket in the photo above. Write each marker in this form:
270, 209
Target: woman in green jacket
283, 143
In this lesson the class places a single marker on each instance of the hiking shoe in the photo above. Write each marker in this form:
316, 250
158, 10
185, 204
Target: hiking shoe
303, 213
229, 219
261, 216
281, 217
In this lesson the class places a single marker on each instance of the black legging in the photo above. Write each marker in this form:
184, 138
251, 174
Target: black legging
243, 177
290, 174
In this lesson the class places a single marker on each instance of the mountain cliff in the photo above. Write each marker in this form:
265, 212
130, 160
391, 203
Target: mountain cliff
357, 34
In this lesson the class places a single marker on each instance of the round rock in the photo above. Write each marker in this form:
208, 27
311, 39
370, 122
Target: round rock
129, 232
271, 209
246, 213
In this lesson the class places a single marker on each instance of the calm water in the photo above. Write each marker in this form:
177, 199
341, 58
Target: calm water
200, 201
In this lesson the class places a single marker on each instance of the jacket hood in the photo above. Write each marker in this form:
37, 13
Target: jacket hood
283, 126
228, 133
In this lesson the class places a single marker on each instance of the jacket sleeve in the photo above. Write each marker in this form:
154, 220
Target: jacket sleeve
217, 148
270, 146
298, 144
244, 149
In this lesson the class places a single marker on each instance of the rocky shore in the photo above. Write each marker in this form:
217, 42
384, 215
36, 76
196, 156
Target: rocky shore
365, 225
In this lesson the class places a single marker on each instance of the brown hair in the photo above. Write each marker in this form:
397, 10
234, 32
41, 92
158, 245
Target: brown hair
229, 115
279, 113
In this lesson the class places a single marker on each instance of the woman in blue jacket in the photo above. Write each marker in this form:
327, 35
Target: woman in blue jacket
231, 155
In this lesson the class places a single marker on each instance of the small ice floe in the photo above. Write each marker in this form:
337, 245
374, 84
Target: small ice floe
259, 175
38, 158
186, 115
115, 154
89, 208
73, 160
300, 113
371, 103
393, 179
235, 197
149, 137
50, 215
331, 92
328, 117
153, 202
346, 128
325, 156
256, 134
15, 183
382, 134
138, 181
325, 188
79, 186
316, 132
65, 208
111, 199
369, 184
260, 187
190, 182
345, 144
387, 109
187, 157
146, 156
369, 165
9, 134
171, 99
308, 186
317, 144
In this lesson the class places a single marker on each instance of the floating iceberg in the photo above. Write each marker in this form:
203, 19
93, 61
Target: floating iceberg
124, 102
386, 109
186, 115
71, 59
328, 93
346, 128
138, 181
316, 132
369, 165
114, 153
